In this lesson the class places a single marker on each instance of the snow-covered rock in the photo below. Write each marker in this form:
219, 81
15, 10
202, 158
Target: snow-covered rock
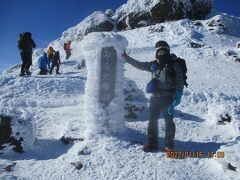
132, 14
6, 135
238, 45
223, 24
109, 12
98, 21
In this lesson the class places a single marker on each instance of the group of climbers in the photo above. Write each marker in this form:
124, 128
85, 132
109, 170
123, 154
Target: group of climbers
46, 62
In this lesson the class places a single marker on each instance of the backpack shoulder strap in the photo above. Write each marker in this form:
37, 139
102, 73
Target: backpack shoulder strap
182, 64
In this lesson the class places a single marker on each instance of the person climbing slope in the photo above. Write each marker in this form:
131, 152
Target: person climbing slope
43, 64
56, 62
26, 45
50, 53
67, 48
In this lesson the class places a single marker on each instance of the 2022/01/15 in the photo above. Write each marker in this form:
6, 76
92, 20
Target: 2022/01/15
197, 154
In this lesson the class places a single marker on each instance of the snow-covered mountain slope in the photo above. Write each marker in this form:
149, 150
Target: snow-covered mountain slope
45, 108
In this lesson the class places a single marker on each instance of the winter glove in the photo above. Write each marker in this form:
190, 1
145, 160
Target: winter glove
154, 67
176, 101
124, 55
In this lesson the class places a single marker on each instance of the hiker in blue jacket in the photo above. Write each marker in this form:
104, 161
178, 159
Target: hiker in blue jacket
43, 64
166, 88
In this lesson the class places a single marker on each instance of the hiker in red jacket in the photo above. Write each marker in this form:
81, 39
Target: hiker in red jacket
67, 48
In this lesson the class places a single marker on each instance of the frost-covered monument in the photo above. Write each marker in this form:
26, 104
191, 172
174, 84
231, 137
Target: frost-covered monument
104, 98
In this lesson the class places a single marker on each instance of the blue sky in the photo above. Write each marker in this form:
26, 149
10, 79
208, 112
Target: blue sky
47, 19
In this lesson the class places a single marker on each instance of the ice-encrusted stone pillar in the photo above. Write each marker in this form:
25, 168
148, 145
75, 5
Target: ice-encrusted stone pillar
104, 98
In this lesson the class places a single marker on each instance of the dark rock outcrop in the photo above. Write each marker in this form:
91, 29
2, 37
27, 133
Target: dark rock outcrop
195, 45
153, 29
102, 27
200, 9
197, 23
238, 45
135, 14
167, 10
6, 134
77, 165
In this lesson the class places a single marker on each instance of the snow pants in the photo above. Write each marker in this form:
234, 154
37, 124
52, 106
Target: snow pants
68, 53
52, 67
160, 105
26, 61
43, 71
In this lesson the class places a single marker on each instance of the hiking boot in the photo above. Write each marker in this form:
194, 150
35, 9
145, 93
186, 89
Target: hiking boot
149, 147
22, 74
58, 73
169, 149
28, 73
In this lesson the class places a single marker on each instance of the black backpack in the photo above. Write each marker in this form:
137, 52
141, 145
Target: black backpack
20, 41
153, 85
56, 57
24, 40
183, 66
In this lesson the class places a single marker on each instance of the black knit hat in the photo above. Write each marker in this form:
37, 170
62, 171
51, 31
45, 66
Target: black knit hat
162, 44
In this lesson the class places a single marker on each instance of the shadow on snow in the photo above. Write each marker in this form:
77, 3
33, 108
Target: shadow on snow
187, 116
42, 149
190, 147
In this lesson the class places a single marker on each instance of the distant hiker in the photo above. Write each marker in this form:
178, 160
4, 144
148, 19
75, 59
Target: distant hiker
25, 45
50, 53
67, 48
43, 64
55, 62
166, 88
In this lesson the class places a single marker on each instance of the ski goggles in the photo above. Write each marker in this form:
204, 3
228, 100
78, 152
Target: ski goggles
162, 51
